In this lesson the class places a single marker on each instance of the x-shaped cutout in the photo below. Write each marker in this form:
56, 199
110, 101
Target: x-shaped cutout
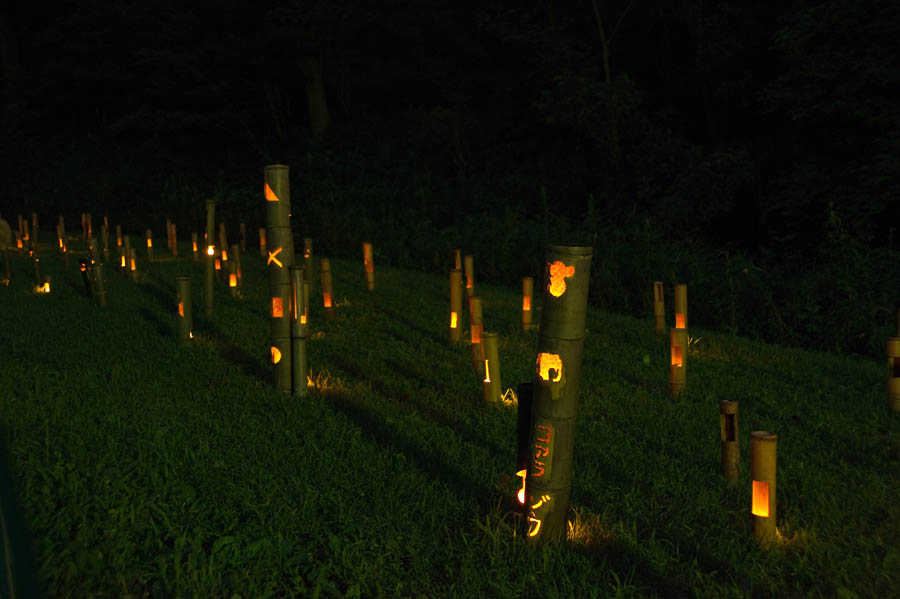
272, 258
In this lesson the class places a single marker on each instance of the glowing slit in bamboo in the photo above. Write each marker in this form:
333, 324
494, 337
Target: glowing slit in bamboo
453, 317
149, 243
526, 303
760, 499
123, 262
181, 309
326, 299
559, 272
232, 280
487, 372
224, 256
677, 358
133, 264
548, 363
277, 308
521, 493
218, 264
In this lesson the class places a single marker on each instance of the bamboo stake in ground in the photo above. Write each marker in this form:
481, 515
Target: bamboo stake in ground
893, 374
731, 449
763, 447
209, 257
455, 305
90, 226
119, 238
19, 245
457, 260
476, 327
491, 387
469, 267
174, 234
659, 308
99, 284
327, 289
280, 258
681, 311
232, 278
527, 295
223, 243
556, 380
184, 322
369, 265
126, 255
299, 331
678, 346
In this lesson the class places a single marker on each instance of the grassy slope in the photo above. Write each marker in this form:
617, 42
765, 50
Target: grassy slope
148, 469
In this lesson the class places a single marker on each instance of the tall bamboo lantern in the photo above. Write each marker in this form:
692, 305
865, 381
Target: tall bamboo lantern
476, 327
763, 448
149, 245
893, 374
491, 386
469, 268
280, 258
209, 257
369, 265
126, 255
731, 449
681, 311
527, 296
555, 385
26, 237
194, 246
34, 227
659, 308
236, 258
262, 242
184, 323
455, 305
327, 288
678, 346
132, 266
243, 237
308, 270
99, 284
218, 265
299, 331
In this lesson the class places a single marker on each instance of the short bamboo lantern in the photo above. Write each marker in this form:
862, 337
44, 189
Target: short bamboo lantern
280, 257
476, 327
209, 257
184, 323
491, 385
299, 331
681, 310
556, 379
527, 296
659, 308
327, 289
118, 237
149, 245
678, 345
731, 449
236, 258
194, 247
763, 446
133, 271
232, 278
455, 305
457, 260
893, 374
469, 269
125, 256
369, 265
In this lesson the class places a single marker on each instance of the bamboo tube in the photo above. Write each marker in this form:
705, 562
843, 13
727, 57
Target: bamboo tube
61, 225
309, 271
99, 284
104, 236
327, 288
232, 278
149, 245
262, 242
299, 365
893, 375
119, 237
194, 246
527, 297
469, 268
174, 234
243, 237
280, 258
209, 257
19, 245
223, 243
20, 227
524, 399
556, 379
26, 236
681, 310
457, 260
476, 328
90, 226
455, 305
731, 449
369, 265
84, 234
763, 448
678, 345
491, 387
94, 250
236, 258
34, 227
126, 255
659, 308
132, 266
184, 320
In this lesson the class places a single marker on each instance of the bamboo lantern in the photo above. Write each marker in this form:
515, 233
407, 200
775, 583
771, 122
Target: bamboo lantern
527, 295
104, 236
369, 265
126, 255
731, 449
236, 258
94, 250
524, 399
20, 224
457, 260
681, 312
26, 237
99, 284
232, 278
308, 271
38, 279
209, 257
118, 237
132, 259
61, 225
174, 234
299, 331
469, 267
327, 288
19, 245
44, 287
491, 386
34, 227
455, 305
476, 327
678, 369
149, 245
223, 242
659, 308
763, 446
85, 266
184, 323
280, 258
555, 392
262, 242
194, 246
893, 375
243, 237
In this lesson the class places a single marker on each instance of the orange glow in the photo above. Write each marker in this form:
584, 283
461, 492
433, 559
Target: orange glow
133, 264
45, 288
453, 318
83, 267
149, 243
123, 262
27, 238
119, 242
677, 356
232, 280
559, 272
194, 243
272, 258
181, 309
548, 362
277, 308
679, 321
521, 493
526, 303
307, 252
468, 281
760, 505
19, 243
303, 319
210, 250
191, 334
270, 195
60, 242
224, 256
487, 372
476, 333
276, 355
326, 299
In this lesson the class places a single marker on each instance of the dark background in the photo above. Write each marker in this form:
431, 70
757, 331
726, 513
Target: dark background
750, 149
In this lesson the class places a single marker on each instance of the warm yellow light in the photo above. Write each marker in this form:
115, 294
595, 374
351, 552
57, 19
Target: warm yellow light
760, 506
468, 281
194, 244
453, 318
326, 299
272, 258
526, 303
210, 250
277, 308
559, 272
149, 243
133, 264
19, 243
303, 319
218, 264
118, 241
60, 242
548, 362
181, 309
487, 372
276, 355
123, 262
232, 280
191, 334
224, 256
45, 288
270, 195
679, 321
677, 356
521, 493
476, 333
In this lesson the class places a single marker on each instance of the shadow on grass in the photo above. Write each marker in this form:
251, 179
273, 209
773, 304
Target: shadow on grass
234, 353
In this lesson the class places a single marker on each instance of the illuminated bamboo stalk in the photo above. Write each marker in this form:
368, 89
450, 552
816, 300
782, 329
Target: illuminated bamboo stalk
94, 250
132, 264
469, 269
232, 278
678, 346
26, 237
149, 245
556, 379
327, 288
491, 386
763, 448
20, 246
61, 224
262, 242
90, 226
243, 237
681, 309
527, 297
184, 320
34, 227
476, 328
524, 399
280, 257
893, 374
217, 261
731, 449
99, 284
455, 305
659, 308
209, 257
299, 331
369, 265
457, 260
309, 271
236, 258
194, 247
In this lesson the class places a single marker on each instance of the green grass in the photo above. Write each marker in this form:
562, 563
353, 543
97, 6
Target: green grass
146, 469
